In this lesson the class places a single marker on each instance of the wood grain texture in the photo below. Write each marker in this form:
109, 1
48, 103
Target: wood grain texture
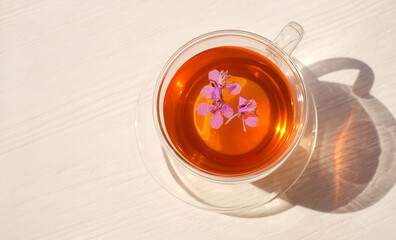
71, 72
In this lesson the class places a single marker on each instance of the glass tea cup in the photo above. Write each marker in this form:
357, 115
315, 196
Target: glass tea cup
278, 52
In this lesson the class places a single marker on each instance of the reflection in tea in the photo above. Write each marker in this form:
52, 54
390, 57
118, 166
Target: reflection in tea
236, 147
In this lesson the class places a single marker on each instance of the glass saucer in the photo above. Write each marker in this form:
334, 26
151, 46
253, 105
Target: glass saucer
215, 196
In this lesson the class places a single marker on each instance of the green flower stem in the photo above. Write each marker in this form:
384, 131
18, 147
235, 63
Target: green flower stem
236, 114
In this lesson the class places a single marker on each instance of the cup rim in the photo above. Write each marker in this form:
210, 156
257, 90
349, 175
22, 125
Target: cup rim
168, 145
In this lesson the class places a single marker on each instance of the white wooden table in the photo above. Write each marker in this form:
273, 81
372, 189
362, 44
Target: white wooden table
70, 75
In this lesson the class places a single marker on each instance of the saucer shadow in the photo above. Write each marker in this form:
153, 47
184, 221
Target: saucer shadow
354, 160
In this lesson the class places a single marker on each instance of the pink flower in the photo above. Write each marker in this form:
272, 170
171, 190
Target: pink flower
218, 81
216, 109
246, 110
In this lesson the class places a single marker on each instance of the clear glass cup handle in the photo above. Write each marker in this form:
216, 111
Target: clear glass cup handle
289, 37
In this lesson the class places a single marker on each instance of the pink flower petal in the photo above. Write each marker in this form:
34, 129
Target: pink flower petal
216, 93
207, 91
227, 111
241, 101
204, 109
216, 120
251, 121
214, 75
234, 88
252, 105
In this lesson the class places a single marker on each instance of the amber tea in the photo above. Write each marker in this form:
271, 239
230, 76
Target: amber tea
229, 111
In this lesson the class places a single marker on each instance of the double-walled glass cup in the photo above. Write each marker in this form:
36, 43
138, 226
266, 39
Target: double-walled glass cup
277, 51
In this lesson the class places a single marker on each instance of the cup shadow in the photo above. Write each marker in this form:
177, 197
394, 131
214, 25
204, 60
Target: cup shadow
353, 164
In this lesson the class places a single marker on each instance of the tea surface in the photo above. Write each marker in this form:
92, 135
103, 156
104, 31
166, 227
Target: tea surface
229, 150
